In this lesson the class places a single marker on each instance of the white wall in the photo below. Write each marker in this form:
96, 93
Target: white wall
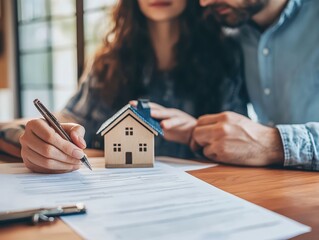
7, 98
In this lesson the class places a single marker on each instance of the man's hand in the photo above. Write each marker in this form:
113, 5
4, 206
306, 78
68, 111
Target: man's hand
45, 151
176, 124
232, 138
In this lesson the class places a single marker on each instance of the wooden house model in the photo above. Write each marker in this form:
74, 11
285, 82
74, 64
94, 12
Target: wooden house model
129, 137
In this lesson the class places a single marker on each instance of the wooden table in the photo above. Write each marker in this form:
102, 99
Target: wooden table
294, 194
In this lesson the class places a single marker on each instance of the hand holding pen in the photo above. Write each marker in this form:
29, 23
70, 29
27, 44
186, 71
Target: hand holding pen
46, 151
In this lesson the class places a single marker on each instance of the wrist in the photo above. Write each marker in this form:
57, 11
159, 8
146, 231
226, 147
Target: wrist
190, 140
275, 151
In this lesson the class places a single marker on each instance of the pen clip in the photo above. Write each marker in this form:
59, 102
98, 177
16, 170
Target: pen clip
39, 217
47, 215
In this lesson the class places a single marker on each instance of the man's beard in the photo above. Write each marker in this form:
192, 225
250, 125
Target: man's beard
236, 17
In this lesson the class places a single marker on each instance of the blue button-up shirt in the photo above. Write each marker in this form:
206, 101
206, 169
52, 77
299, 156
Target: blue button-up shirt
282, 77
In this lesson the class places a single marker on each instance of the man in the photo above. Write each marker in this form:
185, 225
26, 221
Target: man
280, 41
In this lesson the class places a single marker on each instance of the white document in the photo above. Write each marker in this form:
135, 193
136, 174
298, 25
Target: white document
185, 164
151, 203
182, 164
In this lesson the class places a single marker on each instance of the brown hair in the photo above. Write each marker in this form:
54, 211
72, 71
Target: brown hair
201, 55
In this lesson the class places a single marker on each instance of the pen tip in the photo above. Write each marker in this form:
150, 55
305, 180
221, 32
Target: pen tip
88, 165
86, 162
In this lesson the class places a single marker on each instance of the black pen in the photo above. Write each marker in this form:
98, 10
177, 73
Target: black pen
53, 122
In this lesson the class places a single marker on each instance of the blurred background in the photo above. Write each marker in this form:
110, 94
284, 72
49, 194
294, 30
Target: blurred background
44, 45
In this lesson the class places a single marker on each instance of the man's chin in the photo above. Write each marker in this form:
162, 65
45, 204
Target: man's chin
234, 19
231, 22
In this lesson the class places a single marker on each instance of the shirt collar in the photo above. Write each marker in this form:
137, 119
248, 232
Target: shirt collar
291, 9
293, 6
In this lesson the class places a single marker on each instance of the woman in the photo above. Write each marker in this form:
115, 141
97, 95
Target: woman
159, 49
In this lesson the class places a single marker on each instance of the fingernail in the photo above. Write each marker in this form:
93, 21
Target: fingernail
82, 141
77, 154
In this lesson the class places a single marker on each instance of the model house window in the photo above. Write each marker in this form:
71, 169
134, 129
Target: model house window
143, 147
129, 131
117, 147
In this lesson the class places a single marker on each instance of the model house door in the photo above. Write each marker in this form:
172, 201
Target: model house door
128, 158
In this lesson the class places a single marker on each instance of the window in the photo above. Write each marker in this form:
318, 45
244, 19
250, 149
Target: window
55, 37
46, 52
143, 147
129, 131
117, 147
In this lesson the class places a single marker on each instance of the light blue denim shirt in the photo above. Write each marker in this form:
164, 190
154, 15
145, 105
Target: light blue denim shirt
282, 77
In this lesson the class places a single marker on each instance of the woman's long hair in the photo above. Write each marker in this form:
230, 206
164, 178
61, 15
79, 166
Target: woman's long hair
201, 55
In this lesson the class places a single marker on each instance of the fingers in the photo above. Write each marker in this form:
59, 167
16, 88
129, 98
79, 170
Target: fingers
194, 145
162, 113
216, 118
184, 122
159, 112
210, 152
133, 103
44, 132
214, 127
156, 106
208, 119
174, 116
43, 150
203, 135
48, 151
76, 132
172, 123
50, 165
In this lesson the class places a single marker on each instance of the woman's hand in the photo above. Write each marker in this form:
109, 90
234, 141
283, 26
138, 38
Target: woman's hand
177, 125
45, 151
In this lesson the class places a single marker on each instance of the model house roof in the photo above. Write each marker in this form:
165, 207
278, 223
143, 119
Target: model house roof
141, 113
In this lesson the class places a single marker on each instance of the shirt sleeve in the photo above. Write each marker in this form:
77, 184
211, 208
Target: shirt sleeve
301, 145
89, 109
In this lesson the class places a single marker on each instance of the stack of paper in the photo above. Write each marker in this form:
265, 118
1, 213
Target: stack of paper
152, 203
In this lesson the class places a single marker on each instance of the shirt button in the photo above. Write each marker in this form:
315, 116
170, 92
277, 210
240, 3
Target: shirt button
266, 51
267, 91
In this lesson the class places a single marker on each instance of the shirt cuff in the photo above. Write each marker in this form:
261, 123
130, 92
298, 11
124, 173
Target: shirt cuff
297, 146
